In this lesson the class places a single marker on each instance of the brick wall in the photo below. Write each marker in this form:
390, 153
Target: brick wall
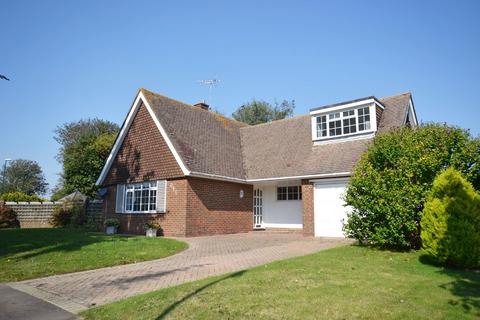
144, 154
194, 206
215, 207
307, 208
173, 221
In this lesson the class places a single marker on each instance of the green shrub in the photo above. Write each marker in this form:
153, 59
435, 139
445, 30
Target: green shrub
8, 218
389, 185
20, 196
69, 214
451, 222
112, 222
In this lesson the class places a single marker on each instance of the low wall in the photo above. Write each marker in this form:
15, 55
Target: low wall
38, 214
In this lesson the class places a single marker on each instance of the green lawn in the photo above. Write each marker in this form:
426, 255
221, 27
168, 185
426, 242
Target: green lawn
343, 283
33, 253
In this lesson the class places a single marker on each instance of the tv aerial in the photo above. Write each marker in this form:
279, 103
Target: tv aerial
210, 83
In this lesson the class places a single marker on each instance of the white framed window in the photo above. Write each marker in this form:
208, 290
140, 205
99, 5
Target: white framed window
321, 126
289, 193
342, 123
364, 119
141, 197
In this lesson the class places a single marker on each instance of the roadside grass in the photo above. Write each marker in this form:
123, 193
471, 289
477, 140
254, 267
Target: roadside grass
33, 253
349, 282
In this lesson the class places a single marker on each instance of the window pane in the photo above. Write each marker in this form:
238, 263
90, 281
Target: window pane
349, 125
364, 119
293, 193
128, 205
321, 126
136, 200
153, 200
281, 193
335, 128
145, 198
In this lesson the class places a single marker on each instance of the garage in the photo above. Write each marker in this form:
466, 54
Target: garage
329, 210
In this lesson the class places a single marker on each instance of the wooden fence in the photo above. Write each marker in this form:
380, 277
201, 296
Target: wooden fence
38, 214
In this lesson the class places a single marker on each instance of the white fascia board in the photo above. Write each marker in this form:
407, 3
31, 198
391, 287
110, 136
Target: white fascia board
118, 141
251, 181
165, 136
412, 110
323, 175
345, 106
330, 180
123, 132
216, 177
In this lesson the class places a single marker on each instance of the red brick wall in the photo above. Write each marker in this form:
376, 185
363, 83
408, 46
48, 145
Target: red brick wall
194, 206
173, 221
144, 154
307, 208
215, 207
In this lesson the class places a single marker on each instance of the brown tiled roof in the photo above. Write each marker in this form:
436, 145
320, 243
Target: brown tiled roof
212, 144
284, 148
207, 142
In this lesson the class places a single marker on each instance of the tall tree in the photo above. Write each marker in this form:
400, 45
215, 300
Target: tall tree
258, 111
85, 146
24, 176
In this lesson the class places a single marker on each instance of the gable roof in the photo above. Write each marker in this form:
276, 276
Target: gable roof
206, 141
206, 144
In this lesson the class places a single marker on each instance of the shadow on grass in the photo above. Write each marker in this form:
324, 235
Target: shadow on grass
174, 305
29, 243
465, 285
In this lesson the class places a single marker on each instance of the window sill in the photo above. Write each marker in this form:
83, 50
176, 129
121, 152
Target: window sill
142, 213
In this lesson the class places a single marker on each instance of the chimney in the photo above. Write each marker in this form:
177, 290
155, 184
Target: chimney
202, 105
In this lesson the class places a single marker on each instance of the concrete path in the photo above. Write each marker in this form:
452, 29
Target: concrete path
206, 256
18, 305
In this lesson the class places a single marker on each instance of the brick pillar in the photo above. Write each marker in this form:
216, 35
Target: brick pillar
307, 208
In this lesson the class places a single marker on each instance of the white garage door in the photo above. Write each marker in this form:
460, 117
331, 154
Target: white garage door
329, 210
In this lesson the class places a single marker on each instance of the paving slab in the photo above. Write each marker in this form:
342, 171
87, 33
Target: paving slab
205, 257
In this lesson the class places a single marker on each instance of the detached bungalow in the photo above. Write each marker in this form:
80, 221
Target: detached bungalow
199, 173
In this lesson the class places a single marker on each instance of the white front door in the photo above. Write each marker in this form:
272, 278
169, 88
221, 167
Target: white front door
330, 213
257, 208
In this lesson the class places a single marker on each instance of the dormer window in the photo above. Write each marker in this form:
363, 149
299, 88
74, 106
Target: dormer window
353, 119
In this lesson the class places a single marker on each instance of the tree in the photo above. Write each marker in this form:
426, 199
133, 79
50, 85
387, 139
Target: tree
85, 146
258, 111
24, 176
451, 222
388, 189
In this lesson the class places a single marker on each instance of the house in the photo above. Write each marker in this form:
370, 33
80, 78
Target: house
199, 173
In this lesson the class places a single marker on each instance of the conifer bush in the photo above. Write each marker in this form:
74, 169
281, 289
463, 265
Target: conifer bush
451, 222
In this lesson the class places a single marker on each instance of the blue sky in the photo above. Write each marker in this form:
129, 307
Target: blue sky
69, 60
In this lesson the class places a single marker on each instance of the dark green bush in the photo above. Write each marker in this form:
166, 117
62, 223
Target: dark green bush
451, 222
389, 185
69, 215
20, 196
8, 218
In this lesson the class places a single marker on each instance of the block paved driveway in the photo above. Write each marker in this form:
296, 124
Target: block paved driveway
206, 256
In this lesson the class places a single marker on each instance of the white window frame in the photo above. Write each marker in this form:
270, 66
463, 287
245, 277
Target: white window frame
131, 188
299, 192
338, 116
